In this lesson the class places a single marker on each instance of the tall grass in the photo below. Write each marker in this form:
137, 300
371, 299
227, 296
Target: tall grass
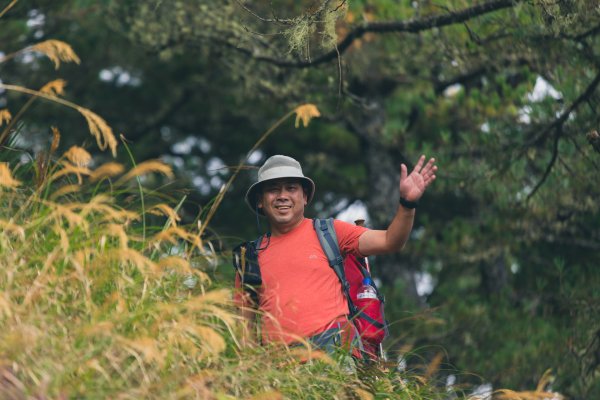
95, 305
89, 309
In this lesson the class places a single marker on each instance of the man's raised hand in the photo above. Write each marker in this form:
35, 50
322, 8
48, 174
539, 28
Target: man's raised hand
413, 186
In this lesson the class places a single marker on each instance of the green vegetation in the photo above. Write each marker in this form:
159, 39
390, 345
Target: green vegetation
95, 304
101, 297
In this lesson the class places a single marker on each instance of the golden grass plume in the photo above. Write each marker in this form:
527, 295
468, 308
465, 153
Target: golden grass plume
115, 230
71, 169
305, 113
147, 347
100, 130
5, 116
12, 228
64, 190
174, 234
180, 265
147, 167
132, 256
540, 393
166, 210
66, 213
268, 395
182, 330
56, 51
78, 156
55, 139
106, 170
55, 87
506, 394
6, 178
98, 127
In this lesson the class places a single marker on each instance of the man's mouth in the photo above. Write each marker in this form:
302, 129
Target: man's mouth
283, 208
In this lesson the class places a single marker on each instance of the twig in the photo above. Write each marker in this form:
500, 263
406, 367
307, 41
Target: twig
557, 123
255, 15
549, 166
240, 166
8, 7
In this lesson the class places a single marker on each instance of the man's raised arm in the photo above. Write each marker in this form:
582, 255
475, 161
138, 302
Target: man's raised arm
412, 188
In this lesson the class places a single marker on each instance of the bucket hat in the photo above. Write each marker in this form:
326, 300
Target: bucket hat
277, 167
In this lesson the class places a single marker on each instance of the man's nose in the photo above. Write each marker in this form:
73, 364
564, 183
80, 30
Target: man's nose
283, 194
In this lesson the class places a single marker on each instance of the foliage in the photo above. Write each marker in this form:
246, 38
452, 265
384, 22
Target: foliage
90, 306
503, 93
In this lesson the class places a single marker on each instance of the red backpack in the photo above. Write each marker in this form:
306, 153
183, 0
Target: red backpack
366, 314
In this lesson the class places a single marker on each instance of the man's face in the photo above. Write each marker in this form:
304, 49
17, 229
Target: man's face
283, 202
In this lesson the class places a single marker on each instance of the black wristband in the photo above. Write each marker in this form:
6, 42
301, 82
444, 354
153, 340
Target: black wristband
411, 205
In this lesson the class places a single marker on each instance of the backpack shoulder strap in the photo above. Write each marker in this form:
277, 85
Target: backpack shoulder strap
245, 262
327, 237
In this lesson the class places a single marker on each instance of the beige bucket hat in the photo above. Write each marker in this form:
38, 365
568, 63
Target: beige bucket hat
277, 167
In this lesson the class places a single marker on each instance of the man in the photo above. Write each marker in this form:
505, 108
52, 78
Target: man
301, 296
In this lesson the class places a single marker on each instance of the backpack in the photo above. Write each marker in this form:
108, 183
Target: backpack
368, 319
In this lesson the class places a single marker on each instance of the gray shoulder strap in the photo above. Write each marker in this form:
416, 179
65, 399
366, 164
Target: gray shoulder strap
328, 239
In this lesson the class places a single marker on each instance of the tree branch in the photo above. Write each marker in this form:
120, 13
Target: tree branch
557, 125
549, 166
411, 26
559, 122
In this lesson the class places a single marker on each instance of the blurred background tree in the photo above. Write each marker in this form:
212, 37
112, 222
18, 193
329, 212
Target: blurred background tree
501, 269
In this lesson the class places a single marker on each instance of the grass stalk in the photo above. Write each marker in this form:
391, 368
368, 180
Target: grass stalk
237, 170
141, 190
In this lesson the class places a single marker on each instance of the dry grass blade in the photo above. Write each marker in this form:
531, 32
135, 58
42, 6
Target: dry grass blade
148, 348
363, 394
164, 209
55, 87
5, 116
100, 130
147, 167
173, 234
107, 170
8, 7
304, 355
175, 263
305, 113
545, 380
220, 297
67, 189
55, 139
61, 212
434, 365
506, 394
117, 231
78, 156
209, 339
71, 169
270, 395
56, 51
98, 126
12, 228
6, 178
134, 257
6, 306
11, 388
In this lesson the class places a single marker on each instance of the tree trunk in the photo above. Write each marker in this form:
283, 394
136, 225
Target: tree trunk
383, 172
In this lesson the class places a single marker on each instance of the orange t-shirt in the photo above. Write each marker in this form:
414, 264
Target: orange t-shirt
301, 295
